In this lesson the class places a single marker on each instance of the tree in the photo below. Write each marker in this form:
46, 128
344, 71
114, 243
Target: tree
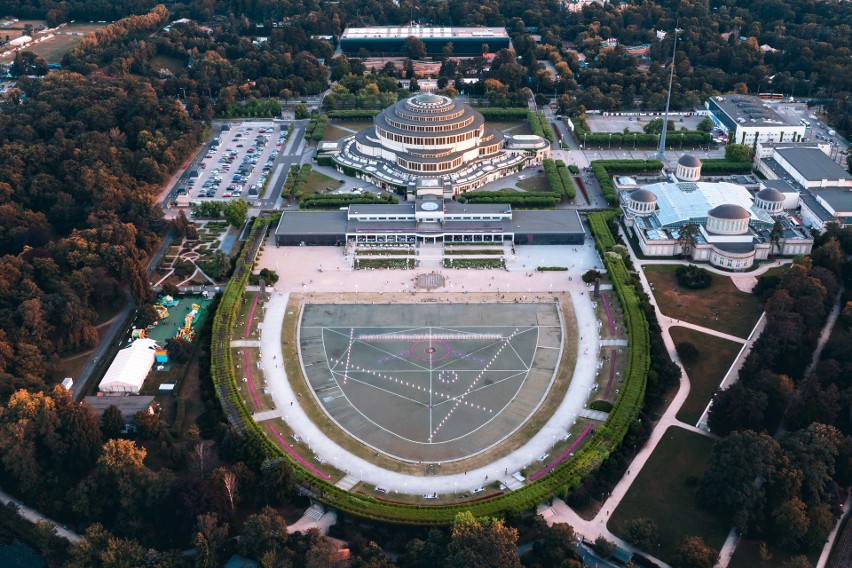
688, 352
557, 545
425, 554
800, 561
736, 462
693, 553
604, 547
414, 48
687, 238
147, 424
300, 111
211, 535
642, 533
179, 349
789, 523
693, 277
323, 553
481, 544
655, 126
278, 479
112, 422
236, 212
262, 532
705, 124
775, 237
738, 153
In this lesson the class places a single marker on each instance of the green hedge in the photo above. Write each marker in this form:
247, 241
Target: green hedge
539, 125
474, 263
640, 140
566, 476
384, 263
526, 200
355, 114
603, 171
723, 166
337, 200
569, 191
301, 181
511, 113
551, 268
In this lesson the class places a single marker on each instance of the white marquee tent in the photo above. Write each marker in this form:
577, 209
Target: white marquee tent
129, 368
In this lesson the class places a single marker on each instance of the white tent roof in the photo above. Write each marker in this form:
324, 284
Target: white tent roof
130, 367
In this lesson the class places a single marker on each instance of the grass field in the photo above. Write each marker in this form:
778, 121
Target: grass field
317, 183
355, 125
513, 126
173, 64
722, 306
664, 491
535, 183
715, 358
61, 43
333, 133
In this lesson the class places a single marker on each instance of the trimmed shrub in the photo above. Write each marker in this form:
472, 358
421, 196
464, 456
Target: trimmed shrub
693, 277
590, 275
601, 405
687, 351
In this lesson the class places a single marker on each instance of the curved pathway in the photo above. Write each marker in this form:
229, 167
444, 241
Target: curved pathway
33, 516
541, 443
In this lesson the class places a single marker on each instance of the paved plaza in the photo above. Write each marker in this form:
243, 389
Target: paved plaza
430, 383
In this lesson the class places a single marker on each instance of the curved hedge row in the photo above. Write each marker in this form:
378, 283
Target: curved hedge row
564, 477
539, 125
570, 193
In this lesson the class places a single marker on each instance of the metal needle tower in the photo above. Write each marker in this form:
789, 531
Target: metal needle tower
661, 151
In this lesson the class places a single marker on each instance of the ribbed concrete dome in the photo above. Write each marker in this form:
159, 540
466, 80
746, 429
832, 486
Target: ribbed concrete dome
729, 211
643, 196
770, 194
689, 161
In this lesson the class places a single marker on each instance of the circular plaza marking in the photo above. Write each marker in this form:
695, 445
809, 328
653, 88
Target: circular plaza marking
430, 383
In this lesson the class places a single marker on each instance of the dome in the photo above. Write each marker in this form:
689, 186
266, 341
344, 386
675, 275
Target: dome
689, 161
429, 99
728, 211
770, 194
643, 196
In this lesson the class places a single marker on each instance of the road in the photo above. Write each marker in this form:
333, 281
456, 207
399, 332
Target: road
34, 516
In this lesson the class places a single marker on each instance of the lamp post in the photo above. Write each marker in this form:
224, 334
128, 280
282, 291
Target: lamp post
584, 139
609, 146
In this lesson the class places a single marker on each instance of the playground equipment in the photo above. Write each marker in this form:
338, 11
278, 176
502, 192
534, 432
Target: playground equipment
168, 301
138, 333
162, 312
161, 356
186, 332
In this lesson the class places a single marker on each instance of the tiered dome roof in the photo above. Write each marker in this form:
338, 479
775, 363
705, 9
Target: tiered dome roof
729, 211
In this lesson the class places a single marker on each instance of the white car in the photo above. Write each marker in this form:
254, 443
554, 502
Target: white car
521, 178
431, 496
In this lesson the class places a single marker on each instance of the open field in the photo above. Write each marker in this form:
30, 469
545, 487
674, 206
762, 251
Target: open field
722, 306
355, 125
664, 491
512, 126
173, 64
333, 133
56, 47
715, 356
317, 183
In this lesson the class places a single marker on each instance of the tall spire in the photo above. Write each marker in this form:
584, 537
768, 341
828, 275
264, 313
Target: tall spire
661, 151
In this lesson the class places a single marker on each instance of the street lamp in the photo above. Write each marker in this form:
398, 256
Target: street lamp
609, 146
584, 139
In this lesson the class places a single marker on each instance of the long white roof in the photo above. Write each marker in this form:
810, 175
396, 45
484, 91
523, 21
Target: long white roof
130, 367
684, 201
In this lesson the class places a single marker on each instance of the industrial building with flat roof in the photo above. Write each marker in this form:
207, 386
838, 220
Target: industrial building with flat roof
390, 40
749, 119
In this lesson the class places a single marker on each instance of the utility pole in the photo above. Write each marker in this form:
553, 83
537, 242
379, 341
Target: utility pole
661, 151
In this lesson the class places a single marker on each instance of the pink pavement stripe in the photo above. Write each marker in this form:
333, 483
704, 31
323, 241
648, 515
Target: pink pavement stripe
251, 317
558, 460
295, 455
248, 377
608, 316
611, 374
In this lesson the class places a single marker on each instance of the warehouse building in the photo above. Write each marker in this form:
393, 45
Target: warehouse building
749, 119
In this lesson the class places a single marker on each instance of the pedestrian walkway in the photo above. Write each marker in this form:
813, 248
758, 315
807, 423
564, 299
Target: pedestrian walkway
613, 343
34, 516
267, 415
245, 343
594, 414
347, 483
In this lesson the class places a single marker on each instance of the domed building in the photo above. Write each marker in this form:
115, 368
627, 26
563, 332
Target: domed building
770, 200
733, 229
688, 168
432, 145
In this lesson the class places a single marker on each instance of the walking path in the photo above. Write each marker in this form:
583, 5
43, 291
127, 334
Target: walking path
34, 516
826, 332
597, 526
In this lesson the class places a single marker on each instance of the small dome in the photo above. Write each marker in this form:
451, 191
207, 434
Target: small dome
689, 161
729, 211
643, 196
770, 194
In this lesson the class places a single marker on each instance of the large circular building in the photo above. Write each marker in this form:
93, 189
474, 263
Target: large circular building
434, 145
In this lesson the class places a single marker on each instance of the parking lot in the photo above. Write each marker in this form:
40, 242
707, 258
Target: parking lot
237, 162
599, 123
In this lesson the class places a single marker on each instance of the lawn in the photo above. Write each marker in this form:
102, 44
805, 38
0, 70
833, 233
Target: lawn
535, 183
715, 356
173, 64
317, 183
722, 306
333, 133
55, 48
355, 125
513, 126
664, 491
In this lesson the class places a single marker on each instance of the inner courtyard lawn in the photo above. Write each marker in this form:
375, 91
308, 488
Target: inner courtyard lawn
664, 491
722, 306
715, 356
